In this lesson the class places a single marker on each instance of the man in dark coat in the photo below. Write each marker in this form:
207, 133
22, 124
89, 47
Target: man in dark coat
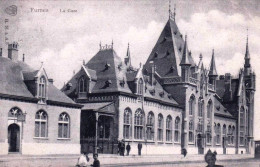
123, 148
128, 148
139, 148
119, 147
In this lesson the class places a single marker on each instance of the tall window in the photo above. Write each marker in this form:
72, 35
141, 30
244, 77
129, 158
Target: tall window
177, 129
139, 124
64, 126
191, 105
191, 130
229, 134
224, 131
200, 105
233, 135
208, 136
218, 132
160, 127
209, 109
242, 126
83, 85
127, 123
42, 89
150, 125
140, 87
41, 124
169, 128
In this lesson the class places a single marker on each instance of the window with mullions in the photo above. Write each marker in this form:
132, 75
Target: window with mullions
191, 132
177, 129
150, 125
160, 127
127, 123
42, 89
83, 85
229, 134
140, 87
169, 128
41, 124
64, 126
233, 135
139, 124
191, 105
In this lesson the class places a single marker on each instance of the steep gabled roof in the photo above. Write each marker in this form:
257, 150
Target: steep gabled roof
168, 51
13, 75
110, 70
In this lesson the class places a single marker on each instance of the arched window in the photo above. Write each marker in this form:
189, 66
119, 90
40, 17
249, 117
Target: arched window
150, 126
83, 85
42, 89
64, 126
41, 124
169, 128
209, 109
139, 124
127, 123
14, 113
191, 105
242, 126
140, 87
177, 129
229, 134
191, 131
160, 127
218, 132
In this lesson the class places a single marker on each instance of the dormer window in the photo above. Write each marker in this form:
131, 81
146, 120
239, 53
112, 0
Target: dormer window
42, 90
83, 85
140, 85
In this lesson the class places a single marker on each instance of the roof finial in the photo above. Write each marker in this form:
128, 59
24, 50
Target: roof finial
112, 44
83, 62
100, 45
202, 56
174, 12
23, 58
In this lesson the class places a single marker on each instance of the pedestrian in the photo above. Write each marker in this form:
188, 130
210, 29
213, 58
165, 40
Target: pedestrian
139, 148
210, 158
128, 148
123, 148
184, 152
119, 147
96, 162
83, 160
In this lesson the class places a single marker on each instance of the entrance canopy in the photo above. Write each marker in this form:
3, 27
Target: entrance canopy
106, 108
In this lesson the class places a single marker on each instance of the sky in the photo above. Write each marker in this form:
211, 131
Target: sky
62, 40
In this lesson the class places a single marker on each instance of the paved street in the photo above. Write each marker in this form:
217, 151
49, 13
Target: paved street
69, 163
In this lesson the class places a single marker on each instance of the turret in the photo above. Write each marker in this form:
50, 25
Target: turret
185, 63
213, 71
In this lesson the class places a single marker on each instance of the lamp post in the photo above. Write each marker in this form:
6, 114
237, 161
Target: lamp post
96, 137
102, 135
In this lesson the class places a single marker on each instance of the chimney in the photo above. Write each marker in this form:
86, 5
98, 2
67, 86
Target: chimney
1, 53
13, 51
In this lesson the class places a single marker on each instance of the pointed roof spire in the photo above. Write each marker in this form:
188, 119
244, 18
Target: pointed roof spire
185, 59
112, 44
128, 57
174, 12
247, 54
170, 12
100, 46
23, 58
213, 70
